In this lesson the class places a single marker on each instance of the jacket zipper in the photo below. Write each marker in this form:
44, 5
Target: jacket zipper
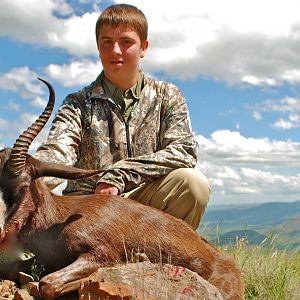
117, 109
127, 138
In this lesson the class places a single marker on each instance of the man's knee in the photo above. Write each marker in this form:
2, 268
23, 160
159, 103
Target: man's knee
195, 185
183, 193
192, 195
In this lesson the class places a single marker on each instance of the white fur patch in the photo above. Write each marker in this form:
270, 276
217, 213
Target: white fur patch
2, 211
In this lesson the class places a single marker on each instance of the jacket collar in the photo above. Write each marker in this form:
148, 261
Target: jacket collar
97, 90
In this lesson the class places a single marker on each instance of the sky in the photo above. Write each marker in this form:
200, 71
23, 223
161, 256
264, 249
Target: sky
236, 62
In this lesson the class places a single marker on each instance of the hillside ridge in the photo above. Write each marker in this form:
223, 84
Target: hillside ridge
254, 222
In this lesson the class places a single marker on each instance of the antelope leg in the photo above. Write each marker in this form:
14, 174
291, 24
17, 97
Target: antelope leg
69, 278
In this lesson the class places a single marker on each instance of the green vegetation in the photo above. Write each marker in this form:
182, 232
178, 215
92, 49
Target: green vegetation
37, 270
265, 241
255, 223
269, 273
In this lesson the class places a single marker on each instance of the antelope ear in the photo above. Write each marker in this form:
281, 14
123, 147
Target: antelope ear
40, 169
4, 156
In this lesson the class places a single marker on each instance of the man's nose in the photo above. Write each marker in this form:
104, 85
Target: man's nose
117, 48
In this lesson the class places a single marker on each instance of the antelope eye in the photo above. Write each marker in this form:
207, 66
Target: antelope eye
21, 191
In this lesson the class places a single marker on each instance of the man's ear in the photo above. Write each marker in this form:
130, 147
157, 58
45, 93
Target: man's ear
144, 48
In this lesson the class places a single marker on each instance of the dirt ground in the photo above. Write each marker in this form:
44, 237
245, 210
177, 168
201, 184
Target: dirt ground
7, 289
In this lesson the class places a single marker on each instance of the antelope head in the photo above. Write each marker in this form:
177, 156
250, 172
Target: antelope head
19, 191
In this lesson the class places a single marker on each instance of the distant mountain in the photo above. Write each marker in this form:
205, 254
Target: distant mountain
255, 222
251, 236
272, 213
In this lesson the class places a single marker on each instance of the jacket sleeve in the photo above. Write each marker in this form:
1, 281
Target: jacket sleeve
178, 147
64, 138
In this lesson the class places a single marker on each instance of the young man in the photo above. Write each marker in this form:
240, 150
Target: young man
134, 127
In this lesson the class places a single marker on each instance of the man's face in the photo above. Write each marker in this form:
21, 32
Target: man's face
120, 50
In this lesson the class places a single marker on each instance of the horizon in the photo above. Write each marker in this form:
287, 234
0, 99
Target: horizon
212, 205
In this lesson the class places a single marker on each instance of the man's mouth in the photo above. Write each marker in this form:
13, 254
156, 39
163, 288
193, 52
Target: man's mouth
116, 62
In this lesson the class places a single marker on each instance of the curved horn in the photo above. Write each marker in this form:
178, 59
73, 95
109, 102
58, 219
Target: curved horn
19, 151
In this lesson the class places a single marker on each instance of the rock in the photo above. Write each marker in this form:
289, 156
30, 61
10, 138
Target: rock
7, 289
25, 279
144, 280
33, 288
96, 290
22, 294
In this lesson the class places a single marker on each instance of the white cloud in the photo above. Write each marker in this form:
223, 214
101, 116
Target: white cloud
222, 40
253, 80
28, 21
76, 73
288, 110
10, 131
79, 38
21, 80
234, 147
285, 124
294, 117
24, 83
291, 75
76, 35
39, 102
243, 169
257, 116
3, 123
285, 105
28, 118
249, 42
52, 25
13, 106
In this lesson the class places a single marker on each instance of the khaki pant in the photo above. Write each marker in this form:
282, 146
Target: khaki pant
183, 193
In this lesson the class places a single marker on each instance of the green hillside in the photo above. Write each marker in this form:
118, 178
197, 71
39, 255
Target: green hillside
256, 222
231, 237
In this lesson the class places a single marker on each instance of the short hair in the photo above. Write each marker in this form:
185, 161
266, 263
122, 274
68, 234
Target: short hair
123, 14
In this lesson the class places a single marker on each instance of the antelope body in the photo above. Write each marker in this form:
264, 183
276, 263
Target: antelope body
75, 235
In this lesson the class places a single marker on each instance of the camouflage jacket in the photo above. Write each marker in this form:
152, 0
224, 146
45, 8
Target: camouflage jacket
90, 132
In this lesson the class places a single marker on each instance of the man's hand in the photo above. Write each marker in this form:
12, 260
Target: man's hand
106, 189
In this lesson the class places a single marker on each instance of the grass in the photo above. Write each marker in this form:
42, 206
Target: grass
269, 273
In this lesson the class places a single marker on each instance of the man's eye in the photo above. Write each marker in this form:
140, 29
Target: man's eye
126, 42
106, 42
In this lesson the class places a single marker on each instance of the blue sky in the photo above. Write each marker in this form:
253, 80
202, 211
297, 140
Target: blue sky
236, 62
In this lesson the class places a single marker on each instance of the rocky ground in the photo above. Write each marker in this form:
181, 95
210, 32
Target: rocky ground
21, 291
7, 289
139, 281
